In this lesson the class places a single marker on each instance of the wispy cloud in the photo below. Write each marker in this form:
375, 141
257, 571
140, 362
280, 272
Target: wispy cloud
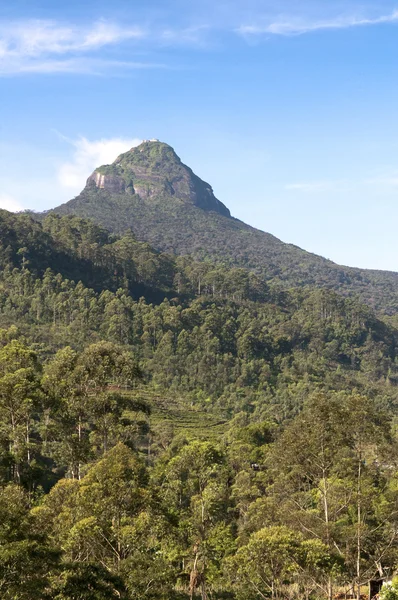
313, 186
387, 181
49, 47
78, 65
107, 47
37, 38
192, 36
297, 26
89, 154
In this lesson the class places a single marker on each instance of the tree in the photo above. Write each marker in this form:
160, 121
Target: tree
267, 563
196, 483
66, 418
89, 517
20, 395
25, 559
274, 558
77, 581
84, 388
306, 460
329, 484
369, 432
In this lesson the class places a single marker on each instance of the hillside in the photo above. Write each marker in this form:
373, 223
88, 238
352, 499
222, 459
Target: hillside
159, 419
149, 191
216, 336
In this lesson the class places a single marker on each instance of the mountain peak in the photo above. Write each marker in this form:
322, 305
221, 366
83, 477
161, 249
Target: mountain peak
153, 171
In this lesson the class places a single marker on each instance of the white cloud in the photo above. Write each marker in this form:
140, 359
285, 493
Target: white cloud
49, 47
9, 203
389, 181
311, 186
79, 65
37, 38
298, 26
192, 36
87, 156
45, 46
52, 178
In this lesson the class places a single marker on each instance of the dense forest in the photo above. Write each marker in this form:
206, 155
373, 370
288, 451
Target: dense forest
173, 429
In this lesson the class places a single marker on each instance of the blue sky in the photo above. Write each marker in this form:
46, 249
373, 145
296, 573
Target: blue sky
288, 108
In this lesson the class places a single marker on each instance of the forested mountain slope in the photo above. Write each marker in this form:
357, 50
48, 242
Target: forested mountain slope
150, 192
83, 251
179, 430
220, 337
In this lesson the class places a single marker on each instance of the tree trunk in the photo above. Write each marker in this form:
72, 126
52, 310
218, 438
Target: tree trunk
28, 442
79, 429
327, 523
359, 516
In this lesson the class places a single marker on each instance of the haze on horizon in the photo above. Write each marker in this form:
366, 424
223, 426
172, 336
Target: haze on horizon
287, 109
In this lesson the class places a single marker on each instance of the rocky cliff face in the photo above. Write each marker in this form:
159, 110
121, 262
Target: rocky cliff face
112, 183
153, 170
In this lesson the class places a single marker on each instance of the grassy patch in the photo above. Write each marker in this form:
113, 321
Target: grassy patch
186, 419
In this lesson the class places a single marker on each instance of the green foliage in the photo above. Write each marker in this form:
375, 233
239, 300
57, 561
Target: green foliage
86, 582
215, 437
390, 591
237, 355
25, 559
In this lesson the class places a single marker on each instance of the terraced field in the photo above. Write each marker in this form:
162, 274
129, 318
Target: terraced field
184, 419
